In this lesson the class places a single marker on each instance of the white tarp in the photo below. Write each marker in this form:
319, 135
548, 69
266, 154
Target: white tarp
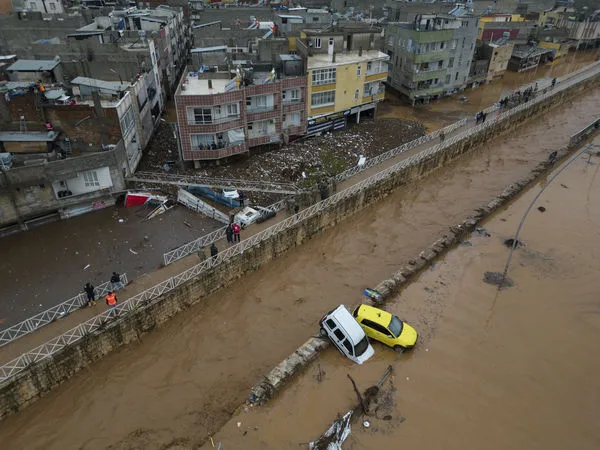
236, 135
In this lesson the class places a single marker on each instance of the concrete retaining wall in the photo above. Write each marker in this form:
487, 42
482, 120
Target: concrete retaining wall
40, 378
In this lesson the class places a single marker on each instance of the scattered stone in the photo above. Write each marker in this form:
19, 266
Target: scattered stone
480, 231
466, 244
564, 185
541, 209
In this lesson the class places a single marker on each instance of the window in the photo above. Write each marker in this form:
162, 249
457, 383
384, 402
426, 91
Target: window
127, 121
348, 346
330, 323
375, 326
315, 19
371, 88
318, 43
448, 79
33, 6
202, 115
290, 95
323, 76
292, 119
53, 6
259, 103
358, 70
356, 94
451, 63
369, 66
323, 99
456, 76
338, 334
90, 179
202, 141
232, 110
442, 45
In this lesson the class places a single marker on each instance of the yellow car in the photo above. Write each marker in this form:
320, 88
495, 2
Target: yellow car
385, 327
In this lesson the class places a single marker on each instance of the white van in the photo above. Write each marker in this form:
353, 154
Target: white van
347, 335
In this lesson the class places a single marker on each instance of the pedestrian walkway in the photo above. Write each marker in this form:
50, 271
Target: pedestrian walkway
15, 349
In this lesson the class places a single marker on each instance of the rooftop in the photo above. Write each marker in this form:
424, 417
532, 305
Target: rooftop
34, 65
324, 60
107, 86
530, 52
28, 136
194, 86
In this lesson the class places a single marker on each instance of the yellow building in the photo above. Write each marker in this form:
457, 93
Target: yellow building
344, 81
560, 48
497, 18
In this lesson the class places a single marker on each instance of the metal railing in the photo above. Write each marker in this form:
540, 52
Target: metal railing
153, 294
213, 182
204, 241
43, 318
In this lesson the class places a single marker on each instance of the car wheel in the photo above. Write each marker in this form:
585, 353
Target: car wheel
322, 332
399, 349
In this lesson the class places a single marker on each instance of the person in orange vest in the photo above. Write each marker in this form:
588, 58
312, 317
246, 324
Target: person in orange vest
111, 300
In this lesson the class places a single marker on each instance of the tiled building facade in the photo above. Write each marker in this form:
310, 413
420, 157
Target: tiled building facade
223, 124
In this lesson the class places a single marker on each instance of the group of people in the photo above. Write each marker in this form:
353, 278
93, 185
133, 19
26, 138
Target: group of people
480, 117
232, 233
522, 96
111, 298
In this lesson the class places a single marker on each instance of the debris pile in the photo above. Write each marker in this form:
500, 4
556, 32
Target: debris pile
310, 159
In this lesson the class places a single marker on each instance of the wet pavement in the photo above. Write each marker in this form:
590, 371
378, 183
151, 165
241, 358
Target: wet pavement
47, 265
182, 382
509, 369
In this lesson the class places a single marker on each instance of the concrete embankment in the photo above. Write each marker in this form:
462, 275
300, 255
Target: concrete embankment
43, 376
277, 378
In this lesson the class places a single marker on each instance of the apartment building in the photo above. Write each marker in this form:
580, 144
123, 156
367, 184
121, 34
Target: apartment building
498, 52
345, 75
431, 56
219, 116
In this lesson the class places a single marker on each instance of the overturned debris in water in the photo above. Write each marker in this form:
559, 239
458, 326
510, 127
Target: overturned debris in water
497, 279
541, 209
480, 231
511, 243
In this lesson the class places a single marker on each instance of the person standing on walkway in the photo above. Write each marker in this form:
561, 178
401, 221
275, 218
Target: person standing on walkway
91, 295
483, 116
442, 136
111, 300
236, 232
229, 234
214, 251
116, 282
553, 81
241, 198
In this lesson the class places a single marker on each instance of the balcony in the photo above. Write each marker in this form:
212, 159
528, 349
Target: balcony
425, 75
259, 109
233, 149
430, 57
427, 37
425, 92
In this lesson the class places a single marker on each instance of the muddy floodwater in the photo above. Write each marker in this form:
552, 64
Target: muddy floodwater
181, 382
515, 369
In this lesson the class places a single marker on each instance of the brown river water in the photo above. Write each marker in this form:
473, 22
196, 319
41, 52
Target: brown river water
515, 369
181, 382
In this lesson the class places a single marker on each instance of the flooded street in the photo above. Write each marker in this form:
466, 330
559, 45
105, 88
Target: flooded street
503, 370
451, 109
183, 380
47, 265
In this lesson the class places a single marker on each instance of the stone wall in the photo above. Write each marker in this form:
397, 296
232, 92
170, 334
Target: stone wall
42, 377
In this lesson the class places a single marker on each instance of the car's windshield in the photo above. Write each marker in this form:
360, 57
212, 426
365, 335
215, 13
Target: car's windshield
361, 347
395, 326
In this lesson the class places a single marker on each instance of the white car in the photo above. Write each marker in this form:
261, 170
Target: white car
246, 216
346, 334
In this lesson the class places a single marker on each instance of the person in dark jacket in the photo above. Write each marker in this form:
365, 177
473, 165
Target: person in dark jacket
91, 295
229, 234
116, 282
214, 251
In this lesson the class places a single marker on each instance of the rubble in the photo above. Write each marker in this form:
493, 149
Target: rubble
318, 157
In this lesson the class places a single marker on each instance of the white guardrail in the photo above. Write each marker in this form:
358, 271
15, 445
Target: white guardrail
153, 294
50, 315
